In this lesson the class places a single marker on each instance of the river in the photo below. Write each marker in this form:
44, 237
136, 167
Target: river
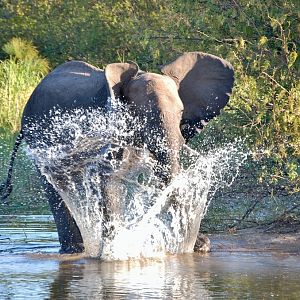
31, 268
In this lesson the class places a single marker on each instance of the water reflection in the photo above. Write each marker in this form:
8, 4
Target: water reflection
237, 276
173, 277
28, 233
32, 269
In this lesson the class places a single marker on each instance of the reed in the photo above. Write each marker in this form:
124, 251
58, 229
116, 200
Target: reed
19, 75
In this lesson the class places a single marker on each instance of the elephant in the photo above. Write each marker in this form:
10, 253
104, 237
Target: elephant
174, 105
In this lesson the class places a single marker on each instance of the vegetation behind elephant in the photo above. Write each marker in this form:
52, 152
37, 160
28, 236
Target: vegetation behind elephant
172, 106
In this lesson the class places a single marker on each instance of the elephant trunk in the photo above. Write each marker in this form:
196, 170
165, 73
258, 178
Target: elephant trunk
174, 142
165, 144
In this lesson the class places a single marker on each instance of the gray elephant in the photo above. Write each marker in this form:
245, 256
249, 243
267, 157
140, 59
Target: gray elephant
174, 105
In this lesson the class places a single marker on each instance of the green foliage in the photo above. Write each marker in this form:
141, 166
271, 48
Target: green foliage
260, 38
27, 194
22, 50
19, 75
97, 31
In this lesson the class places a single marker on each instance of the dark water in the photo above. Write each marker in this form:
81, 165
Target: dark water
30, 268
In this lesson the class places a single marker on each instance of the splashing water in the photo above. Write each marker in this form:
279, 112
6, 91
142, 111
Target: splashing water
119, 205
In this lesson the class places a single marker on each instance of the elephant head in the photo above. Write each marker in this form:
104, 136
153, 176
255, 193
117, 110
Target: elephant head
174, 105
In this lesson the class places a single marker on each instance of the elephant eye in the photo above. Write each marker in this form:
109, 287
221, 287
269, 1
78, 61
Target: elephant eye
204, 122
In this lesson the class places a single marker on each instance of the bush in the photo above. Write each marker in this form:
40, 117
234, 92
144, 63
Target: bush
260, 38
19, 75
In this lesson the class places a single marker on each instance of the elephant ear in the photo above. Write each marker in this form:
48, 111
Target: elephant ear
204, 84
118, 75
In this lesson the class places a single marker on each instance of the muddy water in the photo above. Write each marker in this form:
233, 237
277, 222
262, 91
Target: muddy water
30, 268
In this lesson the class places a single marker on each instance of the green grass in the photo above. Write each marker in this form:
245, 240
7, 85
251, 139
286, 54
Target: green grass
19, 75
27, 196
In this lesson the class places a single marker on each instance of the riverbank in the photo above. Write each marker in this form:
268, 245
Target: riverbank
249, 203
257, 240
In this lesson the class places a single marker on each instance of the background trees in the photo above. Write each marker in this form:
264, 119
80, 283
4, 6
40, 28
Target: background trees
260, 38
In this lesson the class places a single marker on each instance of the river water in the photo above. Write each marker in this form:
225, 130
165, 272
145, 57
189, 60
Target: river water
31, 268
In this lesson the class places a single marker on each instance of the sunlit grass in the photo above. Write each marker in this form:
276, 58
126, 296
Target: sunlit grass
19, 75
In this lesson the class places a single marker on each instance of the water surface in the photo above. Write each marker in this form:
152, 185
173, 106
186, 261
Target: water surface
32, 269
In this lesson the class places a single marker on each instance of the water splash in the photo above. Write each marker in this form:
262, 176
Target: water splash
119, 205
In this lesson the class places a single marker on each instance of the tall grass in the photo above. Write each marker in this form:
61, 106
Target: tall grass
27, 195
19, 75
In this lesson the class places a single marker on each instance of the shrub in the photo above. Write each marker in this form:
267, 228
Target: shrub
19, 75
260, 38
